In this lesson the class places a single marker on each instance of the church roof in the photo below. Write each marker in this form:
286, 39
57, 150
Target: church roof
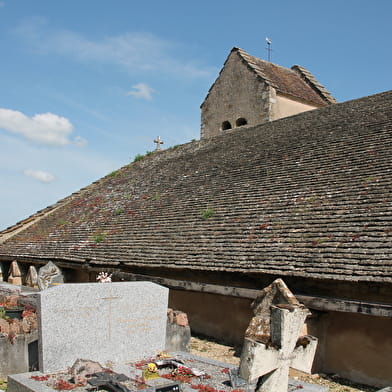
305, 196
296, 82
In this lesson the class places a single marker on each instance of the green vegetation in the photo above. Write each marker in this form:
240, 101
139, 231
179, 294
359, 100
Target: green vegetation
3, 384
139, 157
98, 237
207, 213
113, 173
2, 313
156, 196
118, 211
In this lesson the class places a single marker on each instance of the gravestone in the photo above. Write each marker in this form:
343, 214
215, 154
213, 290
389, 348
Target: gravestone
49, 275
112, 322
14, 274
273, 341
32, 277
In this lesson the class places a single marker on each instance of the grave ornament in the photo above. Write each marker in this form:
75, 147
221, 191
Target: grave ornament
14, 274
272, 341
49, 275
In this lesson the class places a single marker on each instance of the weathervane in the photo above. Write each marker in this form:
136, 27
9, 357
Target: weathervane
269, 42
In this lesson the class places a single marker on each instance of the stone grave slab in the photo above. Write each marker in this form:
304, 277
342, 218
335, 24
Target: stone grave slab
208, 375
103, 322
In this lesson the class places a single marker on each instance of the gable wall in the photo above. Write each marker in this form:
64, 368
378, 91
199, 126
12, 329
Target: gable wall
236, 93
283, 106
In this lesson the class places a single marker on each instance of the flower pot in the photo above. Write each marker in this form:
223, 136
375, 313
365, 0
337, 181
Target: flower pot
14, 313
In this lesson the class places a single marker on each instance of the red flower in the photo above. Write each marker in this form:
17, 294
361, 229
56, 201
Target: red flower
40, 378
63, 385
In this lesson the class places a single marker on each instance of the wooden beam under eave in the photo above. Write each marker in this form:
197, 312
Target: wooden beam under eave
312, 302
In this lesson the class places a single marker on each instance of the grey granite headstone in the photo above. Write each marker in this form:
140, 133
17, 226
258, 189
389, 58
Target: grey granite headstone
103, 322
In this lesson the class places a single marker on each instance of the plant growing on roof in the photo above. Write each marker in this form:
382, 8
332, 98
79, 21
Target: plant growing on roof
156, 196
98, 236
139, 157
207, 213
113, 173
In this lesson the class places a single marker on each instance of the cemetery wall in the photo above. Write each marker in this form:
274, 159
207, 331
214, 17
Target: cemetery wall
355, 346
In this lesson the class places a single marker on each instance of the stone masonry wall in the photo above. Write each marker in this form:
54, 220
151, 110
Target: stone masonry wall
237, 93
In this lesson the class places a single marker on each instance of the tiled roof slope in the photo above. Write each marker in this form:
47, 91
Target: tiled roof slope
308, 196
297, 82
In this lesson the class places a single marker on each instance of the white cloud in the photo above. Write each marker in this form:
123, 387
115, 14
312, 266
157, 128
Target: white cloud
142, 91
44, 128
134, 51
39, 175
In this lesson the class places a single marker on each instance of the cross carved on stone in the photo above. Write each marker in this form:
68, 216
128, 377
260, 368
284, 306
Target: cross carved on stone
158, 142
270, 350
110, 315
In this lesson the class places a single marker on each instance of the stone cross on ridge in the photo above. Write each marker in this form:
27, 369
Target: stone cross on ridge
270, 350
158, 142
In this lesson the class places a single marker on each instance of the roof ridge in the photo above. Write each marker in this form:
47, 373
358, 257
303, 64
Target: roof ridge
314, 83
297, 70
244, 52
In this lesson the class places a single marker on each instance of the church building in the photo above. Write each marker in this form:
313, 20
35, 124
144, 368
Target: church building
250, 91
283, 183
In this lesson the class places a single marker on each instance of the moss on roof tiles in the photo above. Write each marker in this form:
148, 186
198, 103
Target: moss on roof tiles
308, 196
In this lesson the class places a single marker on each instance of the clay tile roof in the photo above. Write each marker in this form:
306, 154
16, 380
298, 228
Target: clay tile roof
297, 82
306, 196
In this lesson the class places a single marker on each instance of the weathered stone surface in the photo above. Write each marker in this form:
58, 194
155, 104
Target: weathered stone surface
182, 319
272, 341
114, 322
32, 277
170, 315
18, 354
14, 274
49, 275
83, 368
276, 293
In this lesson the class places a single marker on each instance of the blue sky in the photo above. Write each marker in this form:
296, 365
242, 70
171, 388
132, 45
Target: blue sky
88, 84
